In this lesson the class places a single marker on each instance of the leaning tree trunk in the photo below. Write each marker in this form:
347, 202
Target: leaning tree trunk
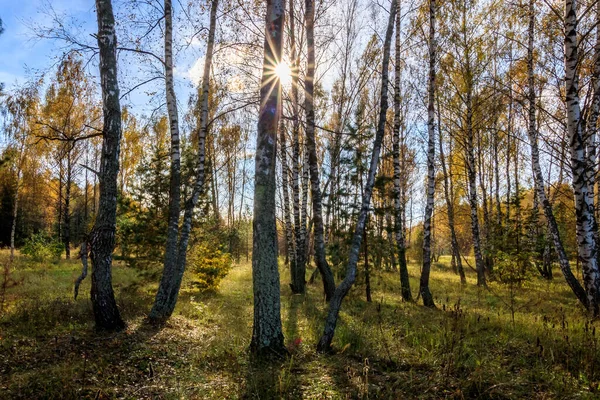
398, 225
102, 236
424, 281
583, 209
267, 335
342, 290
311, 144
537, 170
168, 291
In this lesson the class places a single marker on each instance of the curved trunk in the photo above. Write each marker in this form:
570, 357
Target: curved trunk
166, 290
537, 171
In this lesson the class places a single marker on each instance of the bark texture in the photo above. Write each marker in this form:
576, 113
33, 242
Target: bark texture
563, 259
398, 225
176, 257
267, 335
102, 237
425, 271
311, 144
584, 211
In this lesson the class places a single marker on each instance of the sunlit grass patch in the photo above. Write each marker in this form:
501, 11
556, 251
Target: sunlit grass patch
469, 347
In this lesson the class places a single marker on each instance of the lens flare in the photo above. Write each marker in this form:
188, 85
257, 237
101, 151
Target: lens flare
283, 72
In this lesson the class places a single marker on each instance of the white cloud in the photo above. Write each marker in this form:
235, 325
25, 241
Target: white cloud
196, 70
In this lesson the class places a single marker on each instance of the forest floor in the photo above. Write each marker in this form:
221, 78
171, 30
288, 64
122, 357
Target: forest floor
469, 347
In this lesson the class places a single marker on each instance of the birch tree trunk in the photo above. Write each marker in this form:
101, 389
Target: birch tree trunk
168, 291
470, 160
583, 209
289, 235
565, 266
398, 204
424, 281
341, 291
165, 294
267, 335
300, 266
591, 133
311, 145
102, 236
450, 209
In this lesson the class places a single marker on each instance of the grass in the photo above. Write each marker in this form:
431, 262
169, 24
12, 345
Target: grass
470, 347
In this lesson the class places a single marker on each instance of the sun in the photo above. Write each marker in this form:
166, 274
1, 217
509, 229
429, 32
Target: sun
284, 73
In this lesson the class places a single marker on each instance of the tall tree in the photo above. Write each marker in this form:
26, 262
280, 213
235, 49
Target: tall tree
267, 334
178, 240
322, 265
398, 214
102, 236
343, 288
424, 281
537, 170
587, 247
298, 269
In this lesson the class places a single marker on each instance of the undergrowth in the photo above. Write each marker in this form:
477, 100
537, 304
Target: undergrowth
530, 341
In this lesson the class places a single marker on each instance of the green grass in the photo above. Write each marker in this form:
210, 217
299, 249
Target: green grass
469, 347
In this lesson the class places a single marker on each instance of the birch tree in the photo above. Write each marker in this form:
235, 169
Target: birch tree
267, 334
178, 239
102, 236
343, 288
398, 204
532, 132
584, 210
424, 281
321, 260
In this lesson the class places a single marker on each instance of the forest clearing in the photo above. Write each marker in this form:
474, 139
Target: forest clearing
468, 348
320, 199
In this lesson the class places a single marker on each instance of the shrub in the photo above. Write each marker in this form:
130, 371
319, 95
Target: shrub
207, 265
42, 247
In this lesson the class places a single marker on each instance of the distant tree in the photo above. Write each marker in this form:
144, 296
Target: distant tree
22, 108
68, 117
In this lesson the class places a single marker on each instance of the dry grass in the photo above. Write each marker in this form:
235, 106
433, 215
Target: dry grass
468, 348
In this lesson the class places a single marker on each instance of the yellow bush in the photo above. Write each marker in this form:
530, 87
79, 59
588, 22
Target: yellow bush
207, 265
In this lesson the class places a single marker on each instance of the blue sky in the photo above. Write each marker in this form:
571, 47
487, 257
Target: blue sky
23, 54
19, 47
